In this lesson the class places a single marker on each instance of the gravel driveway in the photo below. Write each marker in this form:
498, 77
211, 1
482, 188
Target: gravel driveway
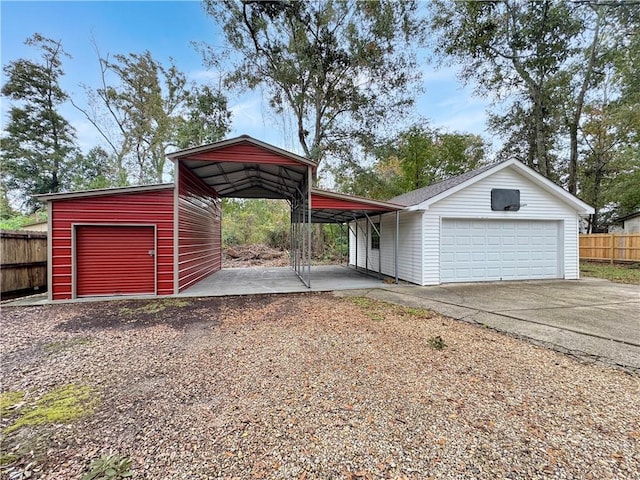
310, 386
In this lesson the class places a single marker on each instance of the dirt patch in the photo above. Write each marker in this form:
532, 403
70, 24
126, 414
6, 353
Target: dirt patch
260, 255
309, 386
241, 256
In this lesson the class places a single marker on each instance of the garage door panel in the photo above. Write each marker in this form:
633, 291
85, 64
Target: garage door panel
477, 250
115, 260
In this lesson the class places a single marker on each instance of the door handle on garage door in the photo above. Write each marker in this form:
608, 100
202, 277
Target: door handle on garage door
152, 253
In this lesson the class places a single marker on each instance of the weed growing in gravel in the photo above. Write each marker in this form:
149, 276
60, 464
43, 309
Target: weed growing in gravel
53, 347
437, 343
109, 467
155, 306
61, 405
371, 308
378, 311
417, 312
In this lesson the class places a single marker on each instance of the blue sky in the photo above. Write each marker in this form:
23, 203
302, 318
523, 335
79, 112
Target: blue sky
167, 29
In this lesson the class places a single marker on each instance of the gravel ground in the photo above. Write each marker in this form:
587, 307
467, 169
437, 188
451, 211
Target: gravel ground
311, 386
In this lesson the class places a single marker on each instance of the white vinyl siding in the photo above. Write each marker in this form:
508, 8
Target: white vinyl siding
409, 251
474, 202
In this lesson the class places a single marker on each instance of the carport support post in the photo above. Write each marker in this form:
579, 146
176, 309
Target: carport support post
397, 244
356, 229
340, 250
309, 181
380, 247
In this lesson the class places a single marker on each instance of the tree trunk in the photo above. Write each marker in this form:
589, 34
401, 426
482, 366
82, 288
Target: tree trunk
572, 183
540, 140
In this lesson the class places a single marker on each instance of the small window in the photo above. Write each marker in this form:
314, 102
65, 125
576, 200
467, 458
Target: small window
375, 236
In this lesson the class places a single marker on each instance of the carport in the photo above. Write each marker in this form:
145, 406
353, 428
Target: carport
244, 167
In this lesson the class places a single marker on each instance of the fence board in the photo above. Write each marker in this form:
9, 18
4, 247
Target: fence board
612, 247
23, 260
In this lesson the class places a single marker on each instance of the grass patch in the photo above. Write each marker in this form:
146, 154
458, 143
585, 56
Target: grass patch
620, 273
53, 347
156, 306
61, 405
377, 310
7, 458
9, 401
373, 309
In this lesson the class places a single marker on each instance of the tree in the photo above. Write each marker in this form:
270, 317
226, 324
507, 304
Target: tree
340, 68
6, 211
609, 167
39, 143
206, 119
413, 159
96, 169
515, 49
137, 114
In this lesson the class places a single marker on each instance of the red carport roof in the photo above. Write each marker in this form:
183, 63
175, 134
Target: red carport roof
332, 207
244, 167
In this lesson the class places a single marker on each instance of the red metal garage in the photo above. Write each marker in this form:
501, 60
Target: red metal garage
99, 241
161, 239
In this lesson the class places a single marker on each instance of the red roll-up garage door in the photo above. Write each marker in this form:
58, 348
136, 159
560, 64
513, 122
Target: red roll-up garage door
115, 260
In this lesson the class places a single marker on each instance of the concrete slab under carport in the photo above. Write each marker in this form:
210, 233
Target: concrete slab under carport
261, 280
591, 318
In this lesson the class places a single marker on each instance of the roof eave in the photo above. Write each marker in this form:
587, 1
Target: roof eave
46, 197
354, 198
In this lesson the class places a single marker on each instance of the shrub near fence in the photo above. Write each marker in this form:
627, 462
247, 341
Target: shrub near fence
23, 261
612, 247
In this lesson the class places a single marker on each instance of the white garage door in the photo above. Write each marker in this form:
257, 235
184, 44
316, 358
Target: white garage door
483, 250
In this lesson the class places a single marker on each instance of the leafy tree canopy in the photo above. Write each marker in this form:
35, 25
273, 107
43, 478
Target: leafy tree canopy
39, 144
413, 159
341, 68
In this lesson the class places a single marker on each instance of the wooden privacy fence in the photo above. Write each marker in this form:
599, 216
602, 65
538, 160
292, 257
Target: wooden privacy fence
23, 261
612, 247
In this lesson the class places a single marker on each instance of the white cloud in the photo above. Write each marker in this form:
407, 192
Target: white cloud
205, 76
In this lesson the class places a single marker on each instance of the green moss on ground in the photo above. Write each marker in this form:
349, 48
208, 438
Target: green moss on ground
8, 401
61, 405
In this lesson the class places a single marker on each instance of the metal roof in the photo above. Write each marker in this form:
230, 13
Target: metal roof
244, 167
332, 207
102, 191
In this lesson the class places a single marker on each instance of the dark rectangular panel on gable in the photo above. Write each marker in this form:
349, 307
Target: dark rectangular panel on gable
505, 199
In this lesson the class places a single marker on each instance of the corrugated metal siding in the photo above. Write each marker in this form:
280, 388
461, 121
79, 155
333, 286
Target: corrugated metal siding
475, 202
199, 231
115, 260
326, 202
154, 207
409, 248
245, 153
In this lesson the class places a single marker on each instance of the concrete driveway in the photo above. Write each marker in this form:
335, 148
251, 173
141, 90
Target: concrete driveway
591, 318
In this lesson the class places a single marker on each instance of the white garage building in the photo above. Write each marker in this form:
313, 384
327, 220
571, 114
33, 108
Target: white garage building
500, 222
